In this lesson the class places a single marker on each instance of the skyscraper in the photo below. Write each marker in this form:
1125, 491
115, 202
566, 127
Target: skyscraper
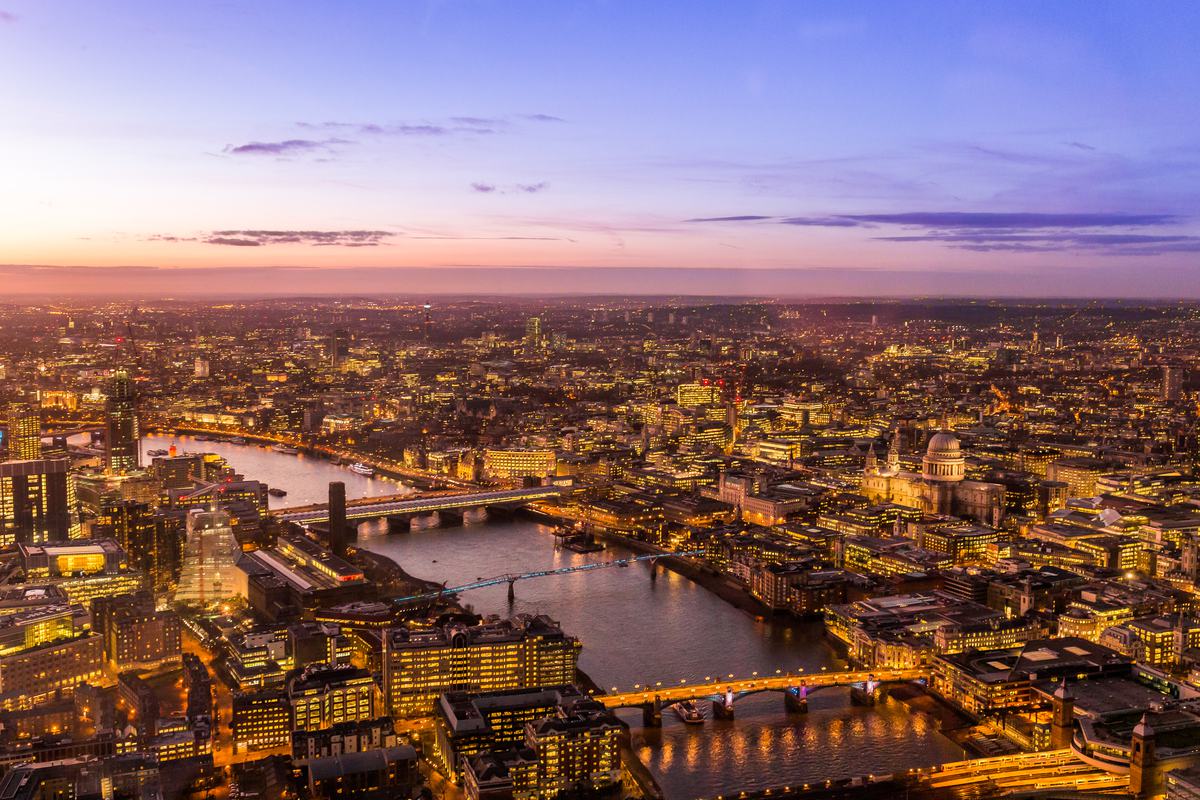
210, 555
533, 335
121, 425
1172, 383
24, 432
37, 502
337, 518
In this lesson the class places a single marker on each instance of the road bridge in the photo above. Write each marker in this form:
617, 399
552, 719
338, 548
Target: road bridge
367, 508
724, 691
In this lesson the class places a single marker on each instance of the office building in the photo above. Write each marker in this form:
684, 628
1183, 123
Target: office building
261, 720
371, 775
24, 432
45, 653
136, 634
322, 696
37, 502
525, 652
122, 436
83, 569
209, 572
1171, 387
517, 464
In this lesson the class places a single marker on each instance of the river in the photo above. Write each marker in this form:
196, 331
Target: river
635, 630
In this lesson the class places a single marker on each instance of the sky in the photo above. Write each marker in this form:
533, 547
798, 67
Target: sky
1016, 148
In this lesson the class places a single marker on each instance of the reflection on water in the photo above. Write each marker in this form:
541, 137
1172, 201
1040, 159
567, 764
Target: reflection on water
636, 630
305, 478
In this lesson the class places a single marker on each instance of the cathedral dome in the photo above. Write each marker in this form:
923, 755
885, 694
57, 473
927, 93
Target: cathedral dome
943, 458
943, 441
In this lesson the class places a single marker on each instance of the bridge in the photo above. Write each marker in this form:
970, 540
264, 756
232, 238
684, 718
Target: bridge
795, 687
399, 506
511, 578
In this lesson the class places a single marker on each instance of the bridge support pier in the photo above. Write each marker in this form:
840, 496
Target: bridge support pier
500, 512
512, 592
865, 695
654, 569
795, 699
652, 713
451, 517
723, 706
399, 523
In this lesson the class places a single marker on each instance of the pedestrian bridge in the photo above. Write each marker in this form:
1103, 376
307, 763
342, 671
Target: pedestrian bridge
401, 504
722, 687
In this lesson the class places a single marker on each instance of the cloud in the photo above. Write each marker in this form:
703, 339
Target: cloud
452, 126
1011, 220
542, 118
7, 17
516, 188
1109, 233
283, 148
260, 238
739, 218
821, 222
1080, 145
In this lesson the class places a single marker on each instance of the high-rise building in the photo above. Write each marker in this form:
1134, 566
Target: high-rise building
122, 436
209, 573
37, 502
337, 518
24, 432
533, 335
520, 653
151, 540
201, 368
1172, 383
84, 569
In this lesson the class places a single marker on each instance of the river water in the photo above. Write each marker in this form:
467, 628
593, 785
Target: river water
638, 630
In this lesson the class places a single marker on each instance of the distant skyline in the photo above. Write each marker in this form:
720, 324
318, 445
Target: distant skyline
1020, 149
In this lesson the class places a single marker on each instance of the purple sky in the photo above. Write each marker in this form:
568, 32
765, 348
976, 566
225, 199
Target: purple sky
1017, 148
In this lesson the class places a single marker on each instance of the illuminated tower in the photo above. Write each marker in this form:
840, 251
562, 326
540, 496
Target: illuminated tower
1062, 721
1144, 776
533, 335
1172, 383
428, 321
24, 432
121, 425
210, 573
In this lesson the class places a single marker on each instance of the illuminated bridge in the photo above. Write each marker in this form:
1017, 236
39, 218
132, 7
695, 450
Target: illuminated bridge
401, 505
511, 579
723, 691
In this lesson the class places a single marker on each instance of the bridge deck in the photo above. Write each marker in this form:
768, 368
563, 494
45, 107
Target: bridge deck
370, 508
672, 694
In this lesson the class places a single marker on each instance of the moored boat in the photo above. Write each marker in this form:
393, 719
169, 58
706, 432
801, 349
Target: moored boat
362, 469
689, 711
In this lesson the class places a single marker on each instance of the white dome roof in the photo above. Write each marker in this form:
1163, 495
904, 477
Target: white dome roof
943, 441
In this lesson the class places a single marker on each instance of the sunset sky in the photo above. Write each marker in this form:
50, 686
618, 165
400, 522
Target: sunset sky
1041, 147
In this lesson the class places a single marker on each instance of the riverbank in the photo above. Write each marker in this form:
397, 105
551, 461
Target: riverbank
418, 480
637, 774
719, 585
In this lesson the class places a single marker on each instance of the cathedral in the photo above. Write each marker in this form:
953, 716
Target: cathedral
939, 488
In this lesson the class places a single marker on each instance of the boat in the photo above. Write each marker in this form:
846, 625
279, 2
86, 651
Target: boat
689, 711
237, 440
156, 453
285, 448
362, 469
276, 492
